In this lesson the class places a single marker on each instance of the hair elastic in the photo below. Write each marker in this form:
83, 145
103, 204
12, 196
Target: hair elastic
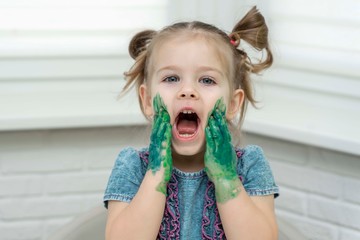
234, 39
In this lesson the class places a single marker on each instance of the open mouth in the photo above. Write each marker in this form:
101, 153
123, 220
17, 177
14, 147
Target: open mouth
187, 124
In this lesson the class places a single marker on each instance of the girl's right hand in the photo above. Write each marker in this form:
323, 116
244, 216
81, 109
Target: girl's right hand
160, 144
220, 156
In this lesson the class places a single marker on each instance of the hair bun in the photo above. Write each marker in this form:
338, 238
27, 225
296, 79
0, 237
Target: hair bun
139, 42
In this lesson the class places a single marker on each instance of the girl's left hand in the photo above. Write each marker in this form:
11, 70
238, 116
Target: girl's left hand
220, 156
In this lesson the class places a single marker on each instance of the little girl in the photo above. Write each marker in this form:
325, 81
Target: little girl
191, 182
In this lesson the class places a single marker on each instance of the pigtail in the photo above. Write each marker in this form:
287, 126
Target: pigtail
252, 29
138, 51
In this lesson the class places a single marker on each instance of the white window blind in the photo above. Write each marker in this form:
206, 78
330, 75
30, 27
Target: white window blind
62, 61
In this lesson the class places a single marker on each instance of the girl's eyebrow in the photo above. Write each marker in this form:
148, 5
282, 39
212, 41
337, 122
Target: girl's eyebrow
211, 69
170, 67
200, 69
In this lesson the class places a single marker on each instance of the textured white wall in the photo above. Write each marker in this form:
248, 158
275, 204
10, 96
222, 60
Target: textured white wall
319, 188
47, 177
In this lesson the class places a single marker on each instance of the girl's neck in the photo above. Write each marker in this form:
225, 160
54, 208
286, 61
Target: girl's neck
193, 163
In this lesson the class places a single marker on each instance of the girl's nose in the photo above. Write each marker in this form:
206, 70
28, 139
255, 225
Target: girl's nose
188, 93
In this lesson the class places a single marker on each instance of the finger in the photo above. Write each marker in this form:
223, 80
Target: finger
155, 127
165, 115
161, 133
160, 109
217, 135
220, 106
161, 102
167, 140
162, 116
217, 104
156, 103
168, 132
214, 134
209, 139
223, 125
215, 131
214, 108
157, 135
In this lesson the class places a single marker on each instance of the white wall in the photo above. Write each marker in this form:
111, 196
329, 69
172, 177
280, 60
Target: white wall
61, 126
48, 177
319, 188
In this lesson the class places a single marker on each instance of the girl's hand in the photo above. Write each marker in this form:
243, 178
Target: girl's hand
220, 157
160, 143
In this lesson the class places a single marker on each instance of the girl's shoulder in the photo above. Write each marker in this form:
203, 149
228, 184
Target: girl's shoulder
255, 172
250, 157
132, 158
250, 152
133, 152
126, 176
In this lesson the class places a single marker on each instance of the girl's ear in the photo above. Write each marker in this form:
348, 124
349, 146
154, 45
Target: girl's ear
235, 104
146, 100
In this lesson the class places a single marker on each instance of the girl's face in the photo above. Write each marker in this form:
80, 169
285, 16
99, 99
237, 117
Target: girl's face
188, 75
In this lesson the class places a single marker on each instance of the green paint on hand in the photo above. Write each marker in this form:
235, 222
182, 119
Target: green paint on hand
220, 157
160, 143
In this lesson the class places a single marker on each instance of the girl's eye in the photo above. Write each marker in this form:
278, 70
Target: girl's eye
171, 79
207, 81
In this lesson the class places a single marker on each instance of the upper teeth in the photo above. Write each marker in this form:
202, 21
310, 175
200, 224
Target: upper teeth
187, 111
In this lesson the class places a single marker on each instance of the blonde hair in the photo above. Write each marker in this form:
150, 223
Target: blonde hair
251, 28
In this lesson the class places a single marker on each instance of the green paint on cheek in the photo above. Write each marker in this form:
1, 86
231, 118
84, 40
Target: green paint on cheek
220, 157
160, 143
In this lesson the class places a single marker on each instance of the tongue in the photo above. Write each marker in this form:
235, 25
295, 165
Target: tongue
186, 127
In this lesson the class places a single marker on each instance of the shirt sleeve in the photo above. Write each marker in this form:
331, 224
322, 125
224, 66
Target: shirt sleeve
256, 173
126, 177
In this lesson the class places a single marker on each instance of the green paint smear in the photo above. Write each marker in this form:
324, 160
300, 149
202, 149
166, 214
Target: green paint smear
160, 143
220, 157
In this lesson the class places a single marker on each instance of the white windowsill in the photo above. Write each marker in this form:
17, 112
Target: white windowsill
67, 105
283, 122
